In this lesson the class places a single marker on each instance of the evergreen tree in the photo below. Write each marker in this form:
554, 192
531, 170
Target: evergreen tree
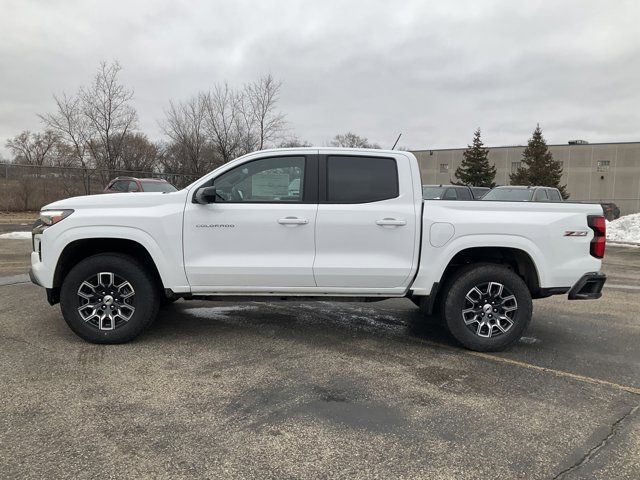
538, 166
475, 170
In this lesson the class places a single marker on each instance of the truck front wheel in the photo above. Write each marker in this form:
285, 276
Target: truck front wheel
109, 298
487, 307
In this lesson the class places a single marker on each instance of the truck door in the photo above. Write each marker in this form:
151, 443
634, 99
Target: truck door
259, 233
366, 225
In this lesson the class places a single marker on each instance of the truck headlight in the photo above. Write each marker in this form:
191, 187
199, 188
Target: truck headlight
51, 217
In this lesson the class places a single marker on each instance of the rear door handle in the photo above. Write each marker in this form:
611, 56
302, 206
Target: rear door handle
293, 221
391, 222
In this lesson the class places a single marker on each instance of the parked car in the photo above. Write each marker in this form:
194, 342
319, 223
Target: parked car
131, 184
518, 193
611, 210
357, 228
452, 192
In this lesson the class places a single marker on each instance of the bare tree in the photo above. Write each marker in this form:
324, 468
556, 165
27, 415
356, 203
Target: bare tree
225, 123
351, 140
139, 154
74, 131
185, 125
260, 99
294, 142
107, 106
32, 148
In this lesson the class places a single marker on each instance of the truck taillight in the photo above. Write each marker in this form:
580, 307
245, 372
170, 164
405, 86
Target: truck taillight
599, 227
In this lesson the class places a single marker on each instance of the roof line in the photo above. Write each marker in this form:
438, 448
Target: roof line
523, 146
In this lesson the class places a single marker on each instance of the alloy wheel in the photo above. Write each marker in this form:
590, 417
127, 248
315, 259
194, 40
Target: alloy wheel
106, 301
489, 309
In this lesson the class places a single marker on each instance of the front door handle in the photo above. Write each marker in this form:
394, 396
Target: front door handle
391, 222
293, 221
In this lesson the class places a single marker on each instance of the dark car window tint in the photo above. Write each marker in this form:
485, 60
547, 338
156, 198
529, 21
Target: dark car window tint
361, 179
463, 193
119, 186
133, 186
479, 192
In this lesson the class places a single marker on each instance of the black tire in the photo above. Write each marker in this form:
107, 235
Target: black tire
146, 298
456, 301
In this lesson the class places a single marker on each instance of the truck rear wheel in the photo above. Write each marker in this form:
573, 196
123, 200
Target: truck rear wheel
109, 298
487, 307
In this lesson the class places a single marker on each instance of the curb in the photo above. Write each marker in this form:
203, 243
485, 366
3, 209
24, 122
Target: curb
622, 243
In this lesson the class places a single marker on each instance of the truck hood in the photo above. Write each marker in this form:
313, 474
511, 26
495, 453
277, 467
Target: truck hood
119, 200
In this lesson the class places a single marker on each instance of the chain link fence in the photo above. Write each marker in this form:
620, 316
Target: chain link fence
29, 187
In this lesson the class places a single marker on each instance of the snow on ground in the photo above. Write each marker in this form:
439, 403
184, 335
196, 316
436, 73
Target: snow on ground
16, 236
218, 313
624, 229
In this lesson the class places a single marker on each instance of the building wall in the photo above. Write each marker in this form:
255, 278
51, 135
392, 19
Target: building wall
586, 172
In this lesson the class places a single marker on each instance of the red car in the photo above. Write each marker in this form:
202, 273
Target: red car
131, 184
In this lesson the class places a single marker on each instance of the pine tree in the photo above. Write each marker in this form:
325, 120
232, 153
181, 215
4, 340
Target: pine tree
538, 166
475, 170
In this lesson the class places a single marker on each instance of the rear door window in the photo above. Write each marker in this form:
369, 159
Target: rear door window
361, 179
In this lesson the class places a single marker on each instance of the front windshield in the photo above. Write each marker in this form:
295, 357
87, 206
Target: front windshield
432, 193
509, 194
158, 187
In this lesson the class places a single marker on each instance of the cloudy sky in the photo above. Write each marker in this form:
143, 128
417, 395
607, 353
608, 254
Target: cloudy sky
432, 70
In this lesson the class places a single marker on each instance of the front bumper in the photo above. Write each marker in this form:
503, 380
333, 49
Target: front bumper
589, 287
33, 278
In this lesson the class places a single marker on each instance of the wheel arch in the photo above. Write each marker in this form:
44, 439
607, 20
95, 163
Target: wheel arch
78, 250
516, 259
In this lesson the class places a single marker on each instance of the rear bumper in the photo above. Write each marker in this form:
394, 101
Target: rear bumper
589, 287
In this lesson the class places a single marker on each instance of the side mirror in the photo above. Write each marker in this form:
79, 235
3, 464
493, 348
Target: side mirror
205, 195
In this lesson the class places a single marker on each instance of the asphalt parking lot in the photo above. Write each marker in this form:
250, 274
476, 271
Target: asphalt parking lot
320, 390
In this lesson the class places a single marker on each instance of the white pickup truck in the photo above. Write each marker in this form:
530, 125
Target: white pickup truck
308, 224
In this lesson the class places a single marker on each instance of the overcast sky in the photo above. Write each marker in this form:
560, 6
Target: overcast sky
432, 70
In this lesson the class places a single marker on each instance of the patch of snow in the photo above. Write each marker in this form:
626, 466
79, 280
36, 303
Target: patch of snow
16, 236
217, 313
624, 229
529, 340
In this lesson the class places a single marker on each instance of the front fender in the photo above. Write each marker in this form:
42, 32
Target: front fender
167, 258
